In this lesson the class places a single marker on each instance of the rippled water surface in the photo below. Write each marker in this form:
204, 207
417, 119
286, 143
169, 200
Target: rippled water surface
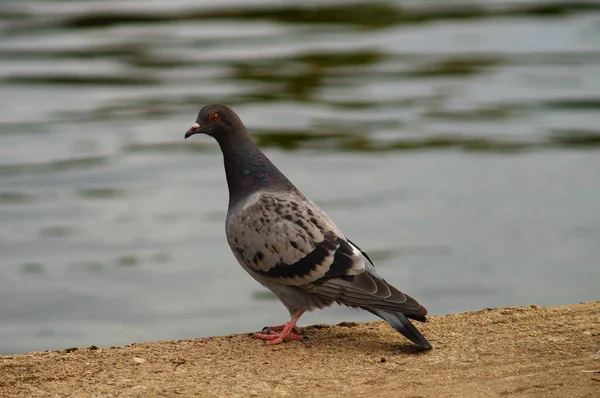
456, 142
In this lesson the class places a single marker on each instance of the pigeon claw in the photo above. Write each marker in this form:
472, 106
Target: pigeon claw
279, 328
279, 334
278, 337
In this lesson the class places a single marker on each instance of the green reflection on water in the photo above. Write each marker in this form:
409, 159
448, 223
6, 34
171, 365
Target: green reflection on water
99, 80
300, 77
55, 166
575, 138
370, 15
129, 260
15, 198
101, 193
263, 295
57, 231
32, 268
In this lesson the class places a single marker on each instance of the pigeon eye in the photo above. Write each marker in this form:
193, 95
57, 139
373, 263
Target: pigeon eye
214, 117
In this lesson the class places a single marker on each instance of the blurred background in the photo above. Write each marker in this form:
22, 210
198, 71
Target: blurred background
458, 143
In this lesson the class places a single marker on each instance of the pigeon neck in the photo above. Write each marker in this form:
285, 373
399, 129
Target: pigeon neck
247, 168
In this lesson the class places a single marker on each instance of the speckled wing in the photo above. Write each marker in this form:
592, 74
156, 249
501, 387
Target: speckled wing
289, 240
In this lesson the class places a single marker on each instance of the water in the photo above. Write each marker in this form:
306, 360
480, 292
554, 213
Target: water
457, 144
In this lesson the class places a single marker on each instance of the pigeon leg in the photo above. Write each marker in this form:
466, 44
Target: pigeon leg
289, 331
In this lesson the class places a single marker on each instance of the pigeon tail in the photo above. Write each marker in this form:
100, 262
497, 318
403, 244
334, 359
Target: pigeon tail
400, 322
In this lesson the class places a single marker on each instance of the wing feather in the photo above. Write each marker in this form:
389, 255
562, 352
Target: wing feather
291, 241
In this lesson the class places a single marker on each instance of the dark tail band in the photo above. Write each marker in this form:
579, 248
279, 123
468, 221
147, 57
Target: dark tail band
401, 323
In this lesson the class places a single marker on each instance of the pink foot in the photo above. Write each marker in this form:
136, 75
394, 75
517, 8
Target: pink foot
277, 337
279, 328
279, 334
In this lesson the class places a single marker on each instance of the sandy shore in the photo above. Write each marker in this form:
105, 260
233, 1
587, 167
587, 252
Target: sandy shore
516, 351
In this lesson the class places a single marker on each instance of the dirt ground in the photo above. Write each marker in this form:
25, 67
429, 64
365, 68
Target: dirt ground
518, 351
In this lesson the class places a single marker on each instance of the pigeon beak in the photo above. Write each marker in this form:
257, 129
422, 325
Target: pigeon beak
195, 129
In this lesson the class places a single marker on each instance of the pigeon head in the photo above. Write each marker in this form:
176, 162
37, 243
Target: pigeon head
247, 168
218, 121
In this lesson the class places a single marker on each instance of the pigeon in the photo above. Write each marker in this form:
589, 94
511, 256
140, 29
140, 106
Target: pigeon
288, 244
